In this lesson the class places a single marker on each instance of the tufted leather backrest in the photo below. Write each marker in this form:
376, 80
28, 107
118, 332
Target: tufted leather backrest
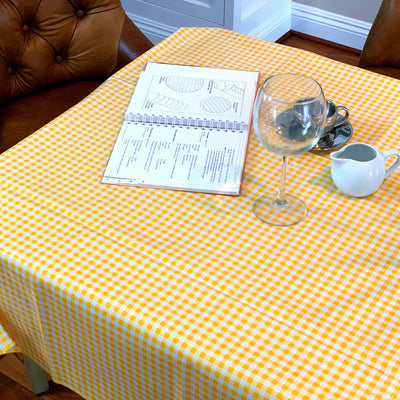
48, 42
381, 51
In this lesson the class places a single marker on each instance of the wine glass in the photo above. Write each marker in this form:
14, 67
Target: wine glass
288, 118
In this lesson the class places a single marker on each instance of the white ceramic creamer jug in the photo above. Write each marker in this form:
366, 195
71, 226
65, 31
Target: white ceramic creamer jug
359, 169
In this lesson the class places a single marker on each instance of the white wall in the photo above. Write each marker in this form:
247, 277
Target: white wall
342, 21
267, 19
363, 10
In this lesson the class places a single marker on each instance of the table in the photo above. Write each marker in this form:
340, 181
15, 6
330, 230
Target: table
133, 293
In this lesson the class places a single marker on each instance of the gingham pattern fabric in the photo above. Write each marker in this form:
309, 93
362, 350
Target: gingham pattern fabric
134, 293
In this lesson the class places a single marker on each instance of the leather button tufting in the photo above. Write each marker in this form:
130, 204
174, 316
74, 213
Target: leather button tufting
10, 70
25, 28
59, 59
80, 13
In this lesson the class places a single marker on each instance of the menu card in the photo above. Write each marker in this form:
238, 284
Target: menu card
185, 128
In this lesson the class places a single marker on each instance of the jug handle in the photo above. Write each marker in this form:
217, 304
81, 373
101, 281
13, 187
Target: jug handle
386, 155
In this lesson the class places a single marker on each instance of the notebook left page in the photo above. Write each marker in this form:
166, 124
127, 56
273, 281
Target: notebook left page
193, 93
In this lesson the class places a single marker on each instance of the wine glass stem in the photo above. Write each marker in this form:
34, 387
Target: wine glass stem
280, 200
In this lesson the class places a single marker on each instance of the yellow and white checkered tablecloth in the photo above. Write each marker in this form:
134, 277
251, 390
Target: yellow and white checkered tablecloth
134, 293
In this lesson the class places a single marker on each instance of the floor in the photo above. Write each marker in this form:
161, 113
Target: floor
331, 50
13, 383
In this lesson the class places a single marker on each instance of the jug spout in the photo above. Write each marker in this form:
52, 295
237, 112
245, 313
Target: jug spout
338, 157
358, 152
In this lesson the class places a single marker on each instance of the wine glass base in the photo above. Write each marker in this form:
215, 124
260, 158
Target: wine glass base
281, 213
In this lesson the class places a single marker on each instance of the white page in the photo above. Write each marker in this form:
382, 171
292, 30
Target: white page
195, 92
185, 128
176, 158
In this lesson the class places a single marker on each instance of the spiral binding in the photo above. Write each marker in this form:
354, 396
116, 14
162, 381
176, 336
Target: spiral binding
201, 123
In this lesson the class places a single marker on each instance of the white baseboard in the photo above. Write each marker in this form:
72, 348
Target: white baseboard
266, 19
155, 31
273, 30
329, 26
306, 19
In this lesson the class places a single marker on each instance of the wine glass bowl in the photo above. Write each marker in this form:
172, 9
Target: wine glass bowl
288, 118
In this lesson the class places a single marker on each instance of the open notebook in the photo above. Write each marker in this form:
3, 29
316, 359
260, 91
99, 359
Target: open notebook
185, 128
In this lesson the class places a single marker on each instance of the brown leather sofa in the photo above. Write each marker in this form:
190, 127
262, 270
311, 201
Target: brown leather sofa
53, 53
381, 52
